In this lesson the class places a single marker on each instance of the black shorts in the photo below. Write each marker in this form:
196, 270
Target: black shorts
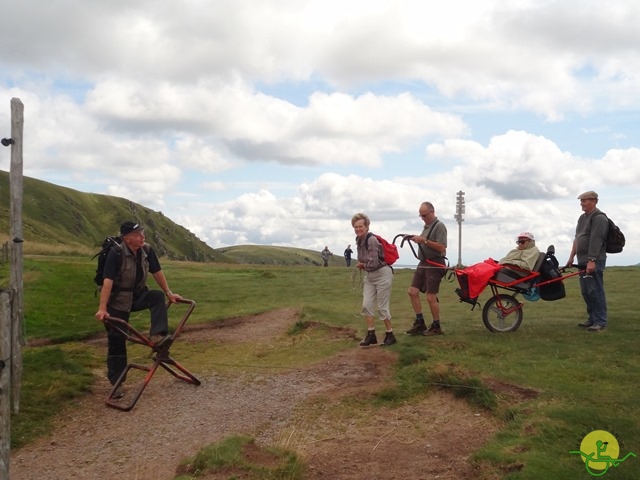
427, 276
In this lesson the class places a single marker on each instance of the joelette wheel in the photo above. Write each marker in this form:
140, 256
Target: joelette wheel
502, 313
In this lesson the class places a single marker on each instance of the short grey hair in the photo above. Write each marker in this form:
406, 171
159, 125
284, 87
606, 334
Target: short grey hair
429, 205
360, 216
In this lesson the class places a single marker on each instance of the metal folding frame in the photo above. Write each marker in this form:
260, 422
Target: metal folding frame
159, 355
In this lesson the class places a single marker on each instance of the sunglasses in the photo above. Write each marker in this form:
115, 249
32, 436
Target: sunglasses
521, 241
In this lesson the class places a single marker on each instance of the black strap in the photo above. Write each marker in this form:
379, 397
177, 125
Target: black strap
366, 244
432, 229
433, 226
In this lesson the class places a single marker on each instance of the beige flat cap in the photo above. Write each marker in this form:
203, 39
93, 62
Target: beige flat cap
589, 194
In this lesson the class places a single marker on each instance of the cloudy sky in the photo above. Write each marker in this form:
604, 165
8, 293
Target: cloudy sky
274, 121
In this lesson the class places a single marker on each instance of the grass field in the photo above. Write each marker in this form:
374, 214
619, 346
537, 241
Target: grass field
585, 381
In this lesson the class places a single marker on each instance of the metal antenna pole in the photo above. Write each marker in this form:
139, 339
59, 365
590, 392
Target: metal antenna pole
458, 216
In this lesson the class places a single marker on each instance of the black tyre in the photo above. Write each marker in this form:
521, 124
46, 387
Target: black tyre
502, 313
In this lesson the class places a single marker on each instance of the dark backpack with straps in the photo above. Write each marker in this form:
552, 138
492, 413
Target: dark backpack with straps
550, 270
615, 238
107, 245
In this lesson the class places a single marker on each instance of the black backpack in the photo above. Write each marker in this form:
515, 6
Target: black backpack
107, 245
615, 238
550, 270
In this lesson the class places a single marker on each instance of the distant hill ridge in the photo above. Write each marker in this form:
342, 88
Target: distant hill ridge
56, 216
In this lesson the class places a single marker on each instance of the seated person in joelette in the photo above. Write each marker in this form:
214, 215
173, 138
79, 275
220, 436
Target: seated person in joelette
474, 278
525, 255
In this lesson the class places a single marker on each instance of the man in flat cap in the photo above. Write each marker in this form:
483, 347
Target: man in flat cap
590, 247
125, 290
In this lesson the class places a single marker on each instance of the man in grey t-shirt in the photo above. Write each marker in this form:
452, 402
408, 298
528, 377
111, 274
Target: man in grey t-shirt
432, 248
590, 248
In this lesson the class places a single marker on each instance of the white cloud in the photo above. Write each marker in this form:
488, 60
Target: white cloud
522, 55
619, 167
516, 165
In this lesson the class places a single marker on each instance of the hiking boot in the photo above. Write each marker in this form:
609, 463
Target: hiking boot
596, 328
418, 328
370, 339
160, 341
389, 339
118, 394
586, 324
433, 330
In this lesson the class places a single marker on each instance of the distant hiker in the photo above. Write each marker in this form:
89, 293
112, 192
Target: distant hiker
125, 290
347, 255
378, 280
326, 253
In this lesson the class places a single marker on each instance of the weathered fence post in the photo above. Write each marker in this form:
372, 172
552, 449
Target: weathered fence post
5, 383
11, 308
16, 285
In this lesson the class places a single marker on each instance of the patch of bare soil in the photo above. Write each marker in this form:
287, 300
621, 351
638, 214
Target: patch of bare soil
430, 439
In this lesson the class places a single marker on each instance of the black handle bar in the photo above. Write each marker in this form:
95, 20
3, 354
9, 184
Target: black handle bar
406, 237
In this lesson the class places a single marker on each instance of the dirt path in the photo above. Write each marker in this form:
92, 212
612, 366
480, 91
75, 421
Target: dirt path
173, 420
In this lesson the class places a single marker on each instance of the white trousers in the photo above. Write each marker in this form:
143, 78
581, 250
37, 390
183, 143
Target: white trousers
376, 292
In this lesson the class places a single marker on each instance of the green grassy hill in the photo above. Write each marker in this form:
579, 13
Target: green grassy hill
273, 255
62, 220
66, 220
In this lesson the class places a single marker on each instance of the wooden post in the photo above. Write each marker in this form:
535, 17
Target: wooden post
5, 383
11, 308
16, 285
